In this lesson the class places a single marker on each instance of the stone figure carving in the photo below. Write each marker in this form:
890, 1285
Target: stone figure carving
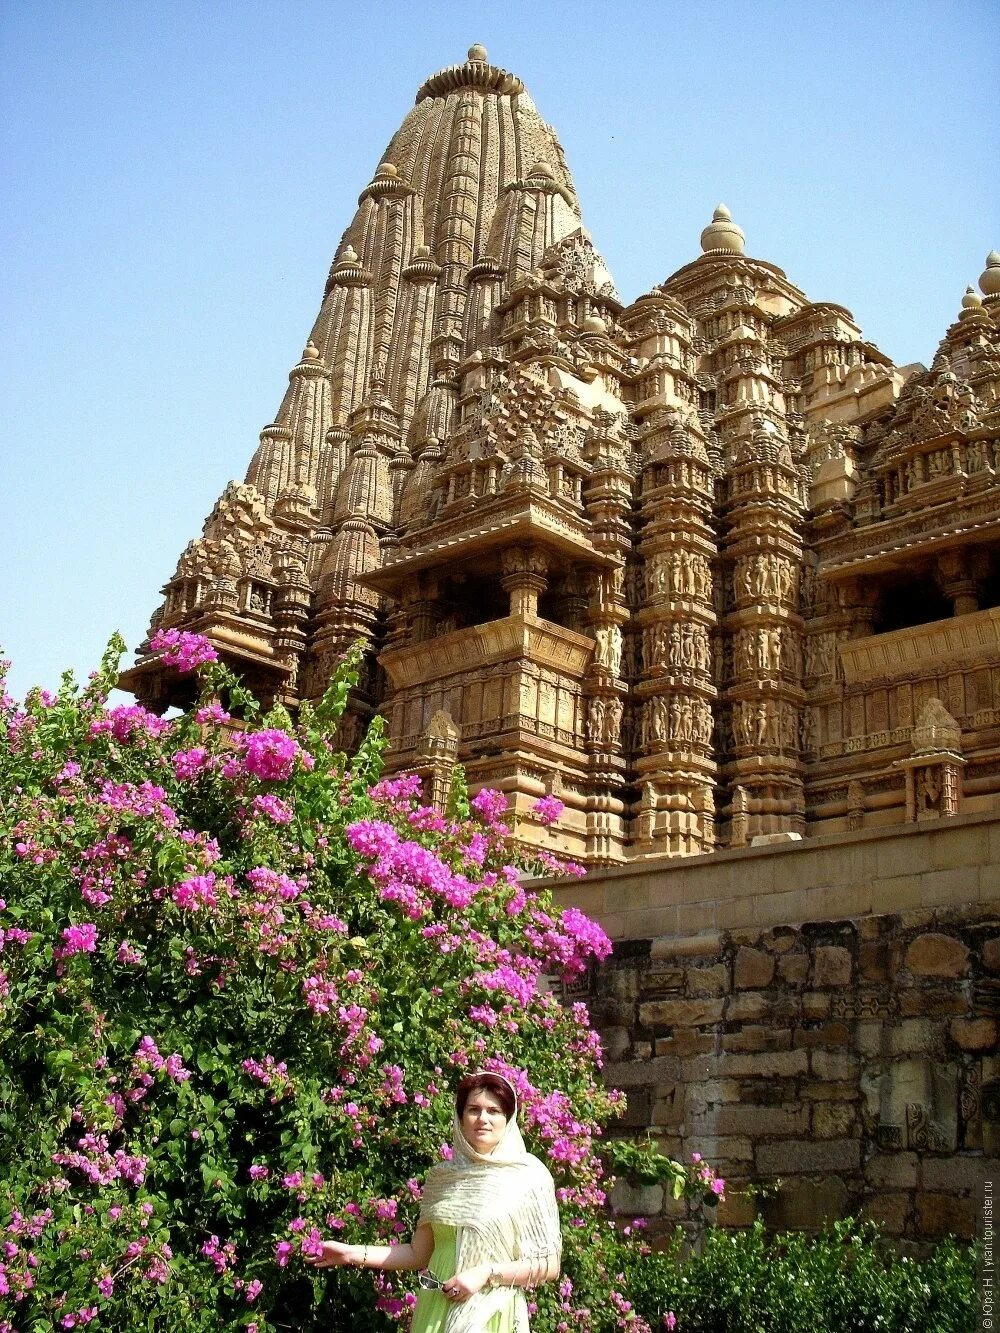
595, 720
613, 720
609, 647
928, 788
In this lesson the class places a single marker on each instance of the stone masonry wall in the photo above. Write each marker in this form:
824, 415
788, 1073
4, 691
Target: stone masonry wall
851, 1061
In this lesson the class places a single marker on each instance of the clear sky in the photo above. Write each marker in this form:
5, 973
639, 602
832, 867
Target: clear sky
177, 176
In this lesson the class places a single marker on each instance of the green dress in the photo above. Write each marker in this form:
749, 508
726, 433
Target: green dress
432, 1308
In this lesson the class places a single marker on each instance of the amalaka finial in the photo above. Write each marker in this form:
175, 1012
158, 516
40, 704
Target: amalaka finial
350, 255
311, 352
387, 169
989, 282
722, 234
477, 54
971, 301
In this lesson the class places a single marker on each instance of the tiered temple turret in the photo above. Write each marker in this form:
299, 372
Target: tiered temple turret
710, 567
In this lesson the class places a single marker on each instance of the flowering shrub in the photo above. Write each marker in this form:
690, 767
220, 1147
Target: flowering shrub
239, 978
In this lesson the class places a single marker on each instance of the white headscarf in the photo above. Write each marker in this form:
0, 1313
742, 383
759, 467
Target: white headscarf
503, 1205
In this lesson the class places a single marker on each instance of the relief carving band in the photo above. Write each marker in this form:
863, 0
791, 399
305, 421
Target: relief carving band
585, 529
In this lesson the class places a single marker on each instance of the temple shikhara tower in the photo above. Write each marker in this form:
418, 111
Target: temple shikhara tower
709, 567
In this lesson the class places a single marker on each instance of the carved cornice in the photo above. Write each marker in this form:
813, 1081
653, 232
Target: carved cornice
889, 544
923, 650
525, 640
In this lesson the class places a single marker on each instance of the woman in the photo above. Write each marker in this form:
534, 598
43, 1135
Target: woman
488, 1227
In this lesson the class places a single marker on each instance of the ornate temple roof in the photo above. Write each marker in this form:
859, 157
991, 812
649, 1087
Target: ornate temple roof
618, 546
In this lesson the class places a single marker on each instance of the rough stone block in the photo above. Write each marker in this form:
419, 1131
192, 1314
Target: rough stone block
873, 960
668, 1109
712, 980
799, 1156
892, 1170
959, 1173
834, 1065
753, 969
889, 1211
736, 1210
806, 1204
615, 1041
913, 1036
727, 1153
833, 1033
708, 944
689, 1041
869, 1039
831, 967
931, 1002
944, 1215
830, 1092
762, 1121
991, 953
758, 1039
782, 940
833, 1120
793, 969
974, 1034
776, 1064
750, 937
638, 1073
711, 1093
937, 955
815, 1004
746, 1008
680, 1013
638, 1109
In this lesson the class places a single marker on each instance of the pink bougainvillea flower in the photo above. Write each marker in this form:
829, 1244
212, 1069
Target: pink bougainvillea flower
79, 939
489, 805
270, 754
547, 809
182, 649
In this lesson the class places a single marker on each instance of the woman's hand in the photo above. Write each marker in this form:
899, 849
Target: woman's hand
333, 1255
467, 1283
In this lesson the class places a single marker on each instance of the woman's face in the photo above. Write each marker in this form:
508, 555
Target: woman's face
483, 1121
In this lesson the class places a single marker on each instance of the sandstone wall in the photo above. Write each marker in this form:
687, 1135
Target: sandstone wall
823, 1015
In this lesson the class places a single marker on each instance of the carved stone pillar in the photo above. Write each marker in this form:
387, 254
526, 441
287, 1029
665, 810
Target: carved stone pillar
956, 576
765, 693
855, 806
933, 773
525, 570
439, 755
675, 692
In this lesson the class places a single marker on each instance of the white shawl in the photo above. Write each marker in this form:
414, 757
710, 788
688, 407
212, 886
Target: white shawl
503, 1206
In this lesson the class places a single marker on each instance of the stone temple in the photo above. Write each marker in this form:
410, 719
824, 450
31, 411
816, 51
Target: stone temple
707, 566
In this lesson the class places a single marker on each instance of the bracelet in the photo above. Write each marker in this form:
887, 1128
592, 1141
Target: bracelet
363, 1261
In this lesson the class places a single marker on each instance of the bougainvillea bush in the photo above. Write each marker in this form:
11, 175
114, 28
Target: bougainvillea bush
239, 978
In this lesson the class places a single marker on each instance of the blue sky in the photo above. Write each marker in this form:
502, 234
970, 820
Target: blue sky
177, 176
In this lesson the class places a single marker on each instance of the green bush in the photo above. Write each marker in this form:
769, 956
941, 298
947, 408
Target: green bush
844, 1279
